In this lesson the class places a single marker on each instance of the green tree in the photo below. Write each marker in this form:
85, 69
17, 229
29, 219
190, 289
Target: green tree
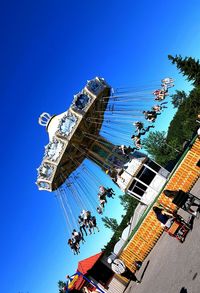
110, 223
159, 148
178, 98
184, 123
61, 286
128, 202
188, 66
184, 126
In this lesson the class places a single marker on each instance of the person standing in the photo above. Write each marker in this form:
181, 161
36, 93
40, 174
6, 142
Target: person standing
165, 218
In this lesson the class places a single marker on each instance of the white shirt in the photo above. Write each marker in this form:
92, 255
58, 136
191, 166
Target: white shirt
84, 214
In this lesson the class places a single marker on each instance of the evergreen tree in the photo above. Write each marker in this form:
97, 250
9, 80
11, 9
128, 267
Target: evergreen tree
110, 223
128, 202
178, 98
61, 286
184, 123
159, 148
188, 66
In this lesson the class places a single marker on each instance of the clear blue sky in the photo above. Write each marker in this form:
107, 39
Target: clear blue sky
48, 50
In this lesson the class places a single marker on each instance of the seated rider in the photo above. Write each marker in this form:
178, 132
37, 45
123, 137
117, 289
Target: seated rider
74, 246
126, 151
160, 94
102, 189
75, 237
102, 196
110, 191
150, 116
99, 210
166, 86
167, 80
139, 126
137, 141
82, 225
102, 199
93, 224
115, 174
136, 138
158, 108
86, 216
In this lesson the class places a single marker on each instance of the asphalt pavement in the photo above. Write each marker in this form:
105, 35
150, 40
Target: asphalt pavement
172, 267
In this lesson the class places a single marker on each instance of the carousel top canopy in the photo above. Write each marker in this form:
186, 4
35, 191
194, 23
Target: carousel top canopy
66, 134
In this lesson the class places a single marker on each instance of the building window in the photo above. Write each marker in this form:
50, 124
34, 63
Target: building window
153, 165
67, 123
138, 188
146, 175
53, 150
81, 101
94, 86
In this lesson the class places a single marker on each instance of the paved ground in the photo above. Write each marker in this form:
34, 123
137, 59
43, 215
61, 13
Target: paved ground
172, 267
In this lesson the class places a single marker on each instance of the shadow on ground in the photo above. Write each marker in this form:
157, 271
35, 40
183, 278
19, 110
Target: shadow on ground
184, 290
144, 270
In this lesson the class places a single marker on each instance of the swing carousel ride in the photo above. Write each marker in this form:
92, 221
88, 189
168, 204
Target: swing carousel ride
97, 129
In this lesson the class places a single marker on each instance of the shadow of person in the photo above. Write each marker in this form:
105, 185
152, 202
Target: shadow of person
144, 270
184, 290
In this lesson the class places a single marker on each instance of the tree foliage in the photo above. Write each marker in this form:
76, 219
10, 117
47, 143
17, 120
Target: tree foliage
164, 147
61, 286
184, 123
178, 98
188, 66
129, 203
110, 223
158, 147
